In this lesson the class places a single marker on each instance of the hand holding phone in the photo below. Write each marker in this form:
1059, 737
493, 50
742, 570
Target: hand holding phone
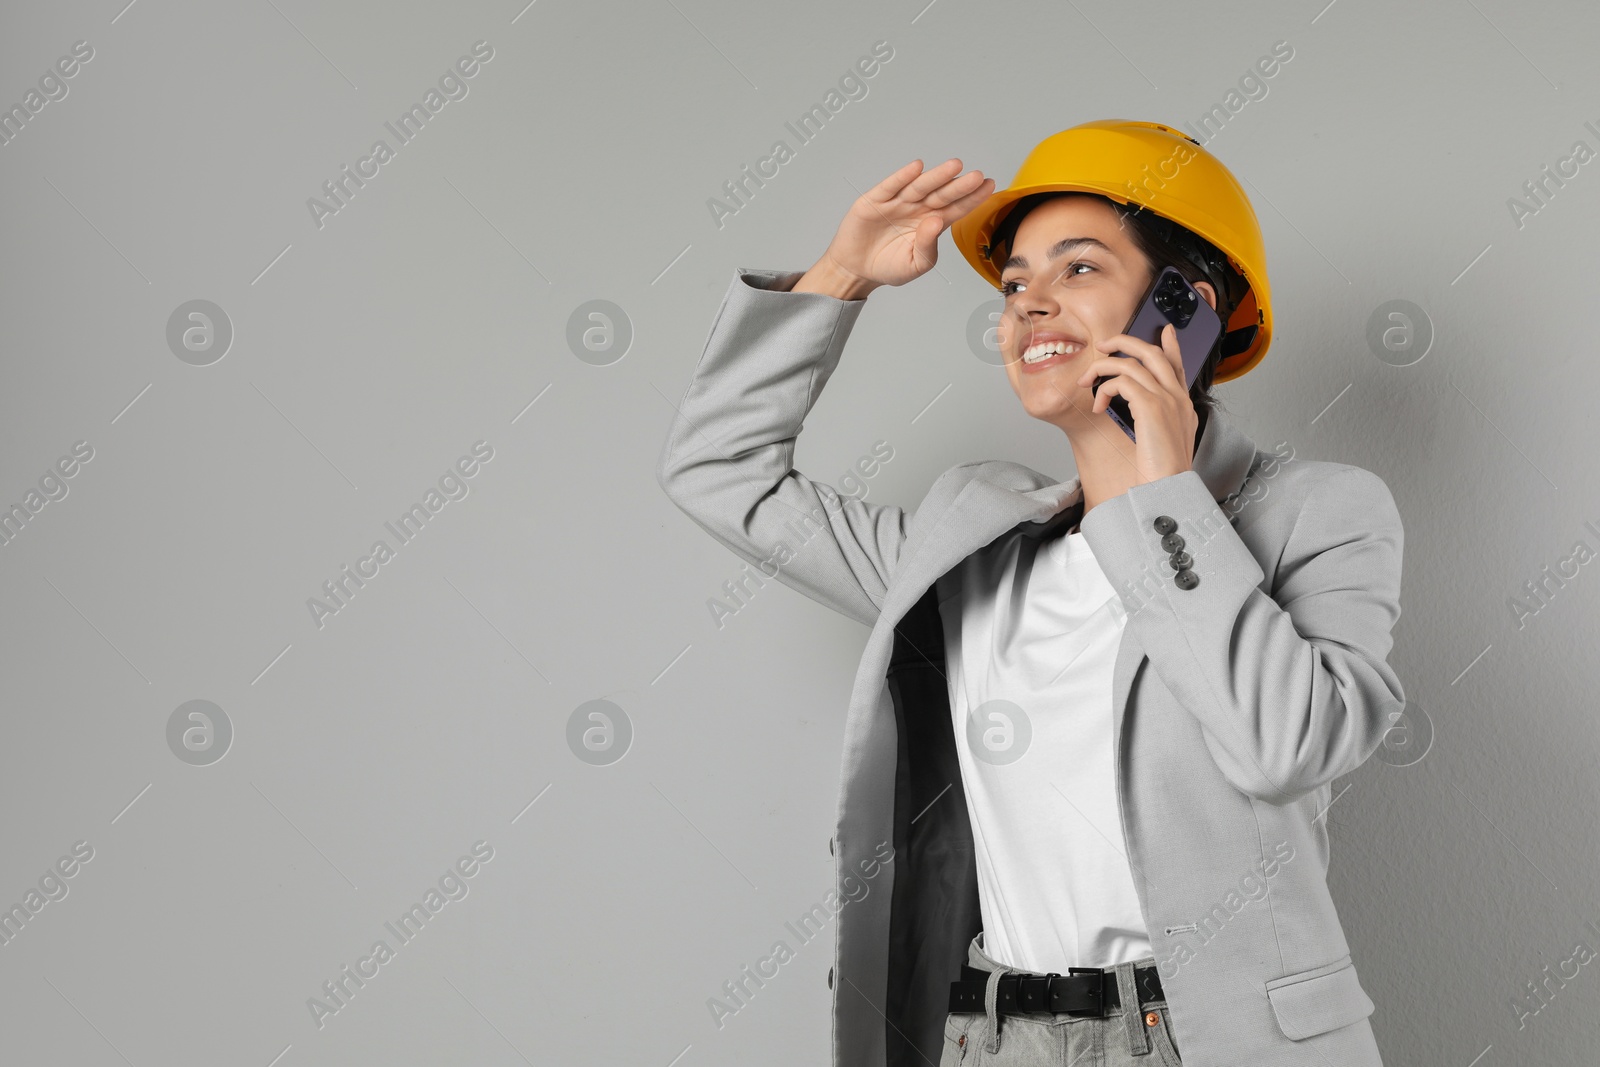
1170, 298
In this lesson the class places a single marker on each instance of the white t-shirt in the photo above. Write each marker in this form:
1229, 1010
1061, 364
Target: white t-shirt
1035, 626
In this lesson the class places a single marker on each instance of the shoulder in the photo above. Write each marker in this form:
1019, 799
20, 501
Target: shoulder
945, 488
953, 482
1323, 499
1003, 472
1317, 477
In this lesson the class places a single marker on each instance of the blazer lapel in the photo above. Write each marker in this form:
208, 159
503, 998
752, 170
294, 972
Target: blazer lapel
986, 507
999, 496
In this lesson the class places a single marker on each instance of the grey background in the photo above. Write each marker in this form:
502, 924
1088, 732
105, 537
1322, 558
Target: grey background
429, 313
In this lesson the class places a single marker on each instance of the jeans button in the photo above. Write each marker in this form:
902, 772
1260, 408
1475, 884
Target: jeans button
1151, 1018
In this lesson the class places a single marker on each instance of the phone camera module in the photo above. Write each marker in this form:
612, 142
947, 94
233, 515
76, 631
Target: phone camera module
1176, 301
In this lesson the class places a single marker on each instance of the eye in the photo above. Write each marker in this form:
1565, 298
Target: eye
1007, 288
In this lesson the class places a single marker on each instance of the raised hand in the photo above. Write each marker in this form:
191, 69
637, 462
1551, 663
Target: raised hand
891, 233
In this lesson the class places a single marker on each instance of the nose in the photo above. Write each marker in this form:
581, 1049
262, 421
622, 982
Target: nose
1026, 316
1035, 300
1032, 306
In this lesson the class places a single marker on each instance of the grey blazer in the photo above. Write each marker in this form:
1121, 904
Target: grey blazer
1237, 700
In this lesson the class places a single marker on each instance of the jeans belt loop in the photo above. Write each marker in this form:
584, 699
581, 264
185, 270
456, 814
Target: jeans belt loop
1139, 1042
991, 993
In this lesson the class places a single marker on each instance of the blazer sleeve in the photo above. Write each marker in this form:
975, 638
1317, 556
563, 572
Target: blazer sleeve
728, 461
1291, 690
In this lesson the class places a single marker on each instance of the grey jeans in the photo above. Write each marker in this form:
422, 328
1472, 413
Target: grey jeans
1135, 1035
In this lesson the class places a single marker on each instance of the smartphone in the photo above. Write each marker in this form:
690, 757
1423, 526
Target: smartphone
1169, 299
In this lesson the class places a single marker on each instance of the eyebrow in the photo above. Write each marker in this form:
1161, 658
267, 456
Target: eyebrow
1061, 248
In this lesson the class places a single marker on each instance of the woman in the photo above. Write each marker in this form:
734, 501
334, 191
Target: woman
1098, 720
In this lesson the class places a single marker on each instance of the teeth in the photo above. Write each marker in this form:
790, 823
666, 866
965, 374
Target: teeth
1049, 348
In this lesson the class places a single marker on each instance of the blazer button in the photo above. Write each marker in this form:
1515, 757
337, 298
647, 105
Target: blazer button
830, 846
1181, 561
1172, 542
1164, 524
830, 977
1186, 579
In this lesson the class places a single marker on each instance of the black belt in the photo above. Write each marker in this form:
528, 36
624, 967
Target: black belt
1082, 991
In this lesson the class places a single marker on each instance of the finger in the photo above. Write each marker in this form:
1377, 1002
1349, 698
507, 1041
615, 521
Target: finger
1135, 393
954, 189
925, 242
1157, 361
931, 180
960, 209
1117, 368
887, 189
1169, 345
1119, 387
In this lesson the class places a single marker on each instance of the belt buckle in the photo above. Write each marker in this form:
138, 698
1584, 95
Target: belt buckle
1096, 991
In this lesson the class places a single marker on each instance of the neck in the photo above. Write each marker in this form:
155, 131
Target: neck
1107, 459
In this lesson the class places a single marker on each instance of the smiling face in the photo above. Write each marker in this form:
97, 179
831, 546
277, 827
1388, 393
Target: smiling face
1074, 277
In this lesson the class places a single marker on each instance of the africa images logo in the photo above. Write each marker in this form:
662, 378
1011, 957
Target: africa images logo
453, 484
453, 885
452, 86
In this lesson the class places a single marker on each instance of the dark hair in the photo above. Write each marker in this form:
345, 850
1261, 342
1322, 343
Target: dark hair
1165, 244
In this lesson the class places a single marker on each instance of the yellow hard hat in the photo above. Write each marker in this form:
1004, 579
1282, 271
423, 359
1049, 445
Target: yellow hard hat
1159, 169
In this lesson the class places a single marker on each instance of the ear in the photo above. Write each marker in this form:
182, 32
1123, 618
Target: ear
1205, 290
